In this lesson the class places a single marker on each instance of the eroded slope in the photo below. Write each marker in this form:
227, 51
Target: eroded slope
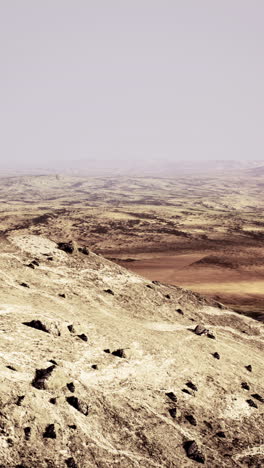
67, 400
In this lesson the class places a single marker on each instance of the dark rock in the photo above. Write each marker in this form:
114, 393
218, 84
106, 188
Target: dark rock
179, 311
27, 431
119, 353
156, 282
53, 401
37, 324
200, 330
11, 368
193, 452
249, 368
71, 387
83, 250
72, 426
53, 362
173, 412
167, 296
149, 286
83, 337
245, 386
191, 419
30, 265
66, 247
50, 432
71, 328
107, 351
78, 405
109, 291
216, 355
210, 335
35, 262
192, 386
94, 366
19, 400
258, 397
71, 463
40, 377
171, 396
62, 295
25, 285
221, 434
252, 403
50, 259
184, 390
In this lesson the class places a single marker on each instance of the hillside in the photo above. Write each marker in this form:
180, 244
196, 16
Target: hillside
101, 368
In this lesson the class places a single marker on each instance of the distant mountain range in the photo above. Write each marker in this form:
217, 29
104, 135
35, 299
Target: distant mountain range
137, 167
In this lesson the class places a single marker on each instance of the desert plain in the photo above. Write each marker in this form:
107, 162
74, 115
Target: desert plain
120, 342
204, 232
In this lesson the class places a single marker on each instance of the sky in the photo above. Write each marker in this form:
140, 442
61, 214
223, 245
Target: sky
130, 80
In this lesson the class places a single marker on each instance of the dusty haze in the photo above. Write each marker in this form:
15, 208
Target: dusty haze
117, 83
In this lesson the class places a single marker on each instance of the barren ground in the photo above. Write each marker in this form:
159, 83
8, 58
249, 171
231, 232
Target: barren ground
205, 233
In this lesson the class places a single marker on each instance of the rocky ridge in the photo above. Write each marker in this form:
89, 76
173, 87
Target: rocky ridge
100, 367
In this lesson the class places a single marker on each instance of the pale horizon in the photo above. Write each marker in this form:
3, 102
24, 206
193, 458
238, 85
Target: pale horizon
129, 83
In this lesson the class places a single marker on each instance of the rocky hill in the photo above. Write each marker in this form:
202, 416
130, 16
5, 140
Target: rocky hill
101, 368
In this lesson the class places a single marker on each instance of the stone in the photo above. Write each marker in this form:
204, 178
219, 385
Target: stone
200, 330
46, 326
251, 403
193, 452
78, 404
83, 250
191, 419
70, 463
37, 324
83, 337
210, 335
109, 291
180, 311
184, 390
119, 353
71, 387
192, 386
245, 386
20, 399
67, 247
249, 368
173, 412
50, 432
171, 396
258, 397
216, 355
41, 376
27, 431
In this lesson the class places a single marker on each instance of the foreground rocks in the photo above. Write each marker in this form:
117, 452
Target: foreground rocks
121, 380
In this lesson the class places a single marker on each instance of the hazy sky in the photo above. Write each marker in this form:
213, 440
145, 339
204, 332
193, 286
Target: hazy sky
112, 79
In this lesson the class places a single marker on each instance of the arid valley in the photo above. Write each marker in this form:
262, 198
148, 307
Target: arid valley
204, 233
120, 341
